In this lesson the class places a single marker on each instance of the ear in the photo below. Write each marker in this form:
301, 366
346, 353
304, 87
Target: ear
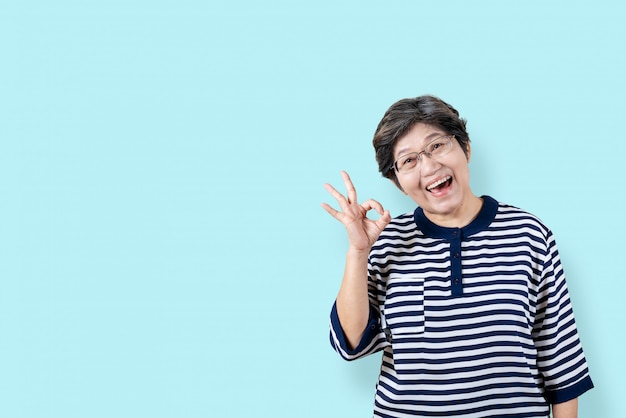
468, 154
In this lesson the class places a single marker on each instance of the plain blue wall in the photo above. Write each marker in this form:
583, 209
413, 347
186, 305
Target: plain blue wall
163, 252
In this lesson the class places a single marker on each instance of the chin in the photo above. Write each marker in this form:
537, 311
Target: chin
441, 207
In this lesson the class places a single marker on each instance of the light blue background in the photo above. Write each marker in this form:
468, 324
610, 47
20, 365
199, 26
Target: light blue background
163, 252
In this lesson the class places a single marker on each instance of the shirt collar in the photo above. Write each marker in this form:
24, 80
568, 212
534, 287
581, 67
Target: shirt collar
481, 222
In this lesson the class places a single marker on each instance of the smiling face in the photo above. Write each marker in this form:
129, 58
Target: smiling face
439, 185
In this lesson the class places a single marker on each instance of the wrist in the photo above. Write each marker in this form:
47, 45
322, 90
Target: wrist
358, 252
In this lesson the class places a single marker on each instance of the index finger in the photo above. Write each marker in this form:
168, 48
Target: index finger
351, 191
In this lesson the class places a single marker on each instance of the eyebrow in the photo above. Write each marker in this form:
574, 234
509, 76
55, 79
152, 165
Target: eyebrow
404, 150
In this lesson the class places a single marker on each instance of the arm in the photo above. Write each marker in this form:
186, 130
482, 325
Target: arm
567, 409
352, 300
560, 356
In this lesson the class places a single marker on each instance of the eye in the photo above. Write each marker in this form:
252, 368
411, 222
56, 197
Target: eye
408, 160
438, 146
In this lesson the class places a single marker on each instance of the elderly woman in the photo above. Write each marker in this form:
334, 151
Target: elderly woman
465, 296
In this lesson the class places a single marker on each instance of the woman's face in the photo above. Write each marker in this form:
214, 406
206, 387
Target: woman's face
439, 185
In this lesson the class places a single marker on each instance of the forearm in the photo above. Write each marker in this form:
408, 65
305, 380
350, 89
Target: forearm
567, 409
352, 300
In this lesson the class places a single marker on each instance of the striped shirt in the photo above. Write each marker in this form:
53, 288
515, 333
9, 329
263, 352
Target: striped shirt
473, 321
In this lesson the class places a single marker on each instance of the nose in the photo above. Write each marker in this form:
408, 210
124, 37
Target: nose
428, 165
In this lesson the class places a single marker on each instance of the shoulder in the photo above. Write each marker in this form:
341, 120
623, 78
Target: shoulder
399, 225
401, 234
512, 217
402, 221
397, 234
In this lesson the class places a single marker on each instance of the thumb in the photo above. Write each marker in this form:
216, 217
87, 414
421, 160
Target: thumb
384, 219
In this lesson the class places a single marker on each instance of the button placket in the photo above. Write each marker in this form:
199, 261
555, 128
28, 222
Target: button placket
456, 279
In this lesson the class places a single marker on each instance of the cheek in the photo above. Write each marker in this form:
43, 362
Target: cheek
402, 185
463, 173
410, 185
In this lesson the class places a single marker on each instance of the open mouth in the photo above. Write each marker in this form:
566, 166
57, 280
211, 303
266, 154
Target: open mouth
442, 183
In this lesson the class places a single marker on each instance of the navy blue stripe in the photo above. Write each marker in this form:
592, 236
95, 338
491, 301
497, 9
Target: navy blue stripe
505, 326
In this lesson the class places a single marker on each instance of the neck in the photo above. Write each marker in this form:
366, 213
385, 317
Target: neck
463, 216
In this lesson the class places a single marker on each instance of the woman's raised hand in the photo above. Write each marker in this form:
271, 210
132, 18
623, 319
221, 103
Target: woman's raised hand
362, 231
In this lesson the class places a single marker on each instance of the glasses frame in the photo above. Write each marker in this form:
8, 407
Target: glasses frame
395, 167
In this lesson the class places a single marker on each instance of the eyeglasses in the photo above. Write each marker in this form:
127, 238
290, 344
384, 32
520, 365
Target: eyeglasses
438, 147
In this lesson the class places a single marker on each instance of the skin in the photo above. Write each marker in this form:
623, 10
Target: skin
454, 205
352, 299
567, 409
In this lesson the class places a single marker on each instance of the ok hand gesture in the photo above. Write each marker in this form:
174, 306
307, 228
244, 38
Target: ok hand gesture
362, 232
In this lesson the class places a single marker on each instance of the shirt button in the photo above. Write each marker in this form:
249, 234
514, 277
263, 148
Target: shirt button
456, 281
456, 255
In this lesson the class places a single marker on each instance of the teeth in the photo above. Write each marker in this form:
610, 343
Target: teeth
437, 183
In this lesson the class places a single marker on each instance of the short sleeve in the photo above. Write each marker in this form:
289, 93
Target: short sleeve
560, 356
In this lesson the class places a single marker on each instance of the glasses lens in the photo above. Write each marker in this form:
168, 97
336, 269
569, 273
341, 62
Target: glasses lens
439, 146
407, 162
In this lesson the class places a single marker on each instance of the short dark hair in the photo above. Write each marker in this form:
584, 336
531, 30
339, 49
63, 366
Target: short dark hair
406, 113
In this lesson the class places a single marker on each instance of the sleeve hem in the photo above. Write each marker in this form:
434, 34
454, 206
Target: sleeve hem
371, 331
569, 393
